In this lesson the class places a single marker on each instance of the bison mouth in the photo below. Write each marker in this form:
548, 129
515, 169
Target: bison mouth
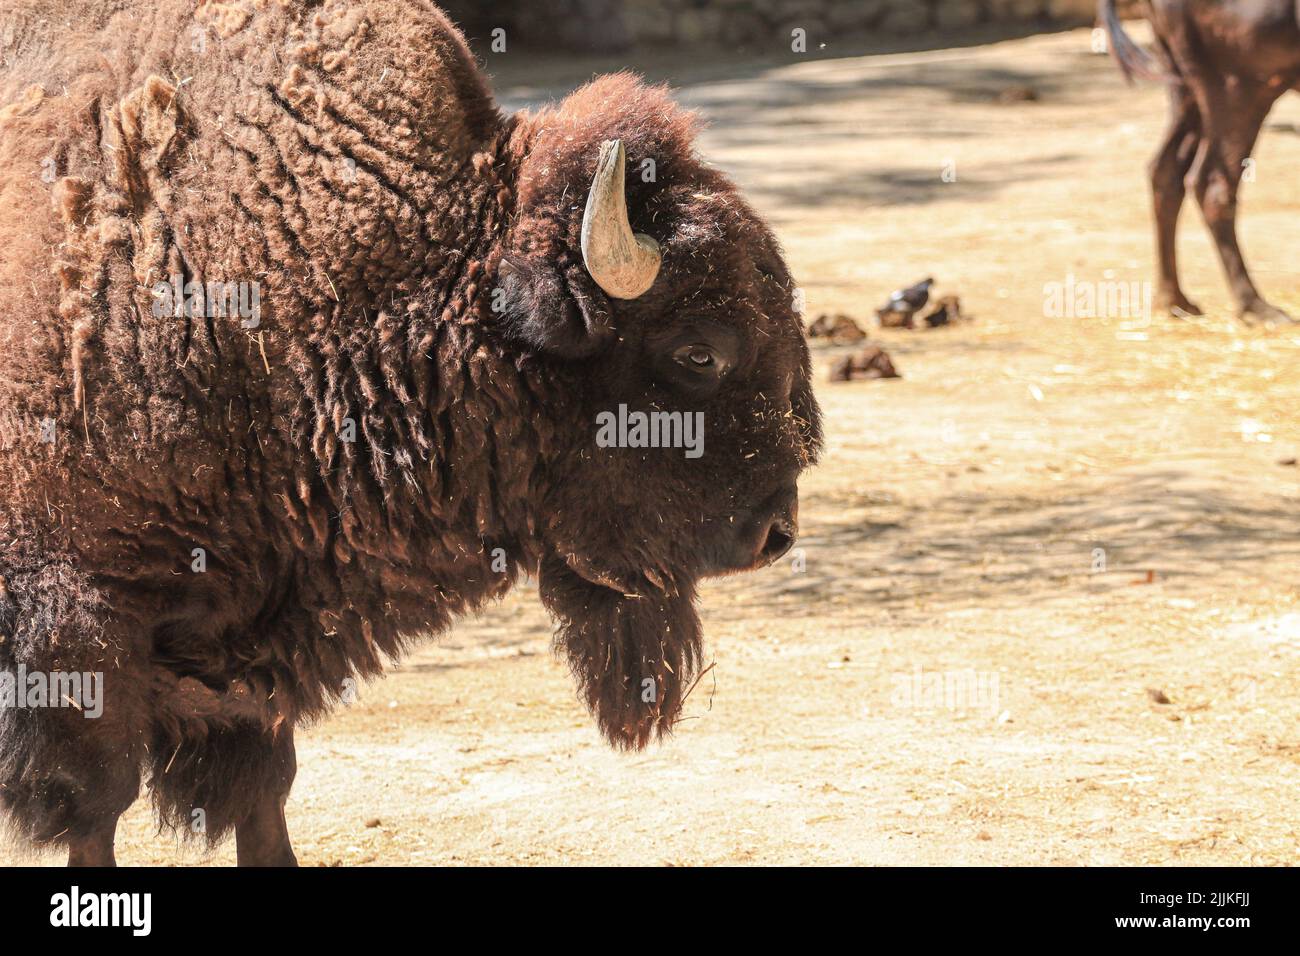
633, 653
646, 581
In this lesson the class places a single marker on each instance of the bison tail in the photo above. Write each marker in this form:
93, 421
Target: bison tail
1132, 59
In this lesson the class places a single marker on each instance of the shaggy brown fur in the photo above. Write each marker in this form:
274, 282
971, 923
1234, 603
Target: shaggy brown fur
420, 278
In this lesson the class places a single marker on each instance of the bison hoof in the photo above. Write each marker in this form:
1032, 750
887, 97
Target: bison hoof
1261, 312
1177, 305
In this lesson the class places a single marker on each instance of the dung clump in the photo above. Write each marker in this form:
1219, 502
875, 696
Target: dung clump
870, 363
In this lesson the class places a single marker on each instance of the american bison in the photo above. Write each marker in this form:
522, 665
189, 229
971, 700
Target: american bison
304, 349
1226, 62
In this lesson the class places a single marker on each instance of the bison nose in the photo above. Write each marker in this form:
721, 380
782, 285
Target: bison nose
780, 538
782, 525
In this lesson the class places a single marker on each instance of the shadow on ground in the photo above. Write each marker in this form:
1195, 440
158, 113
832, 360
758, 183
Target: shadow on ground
888, 552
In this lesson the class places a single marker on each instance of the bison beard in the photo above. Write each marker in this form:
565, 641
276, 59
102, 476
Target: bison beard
633, 655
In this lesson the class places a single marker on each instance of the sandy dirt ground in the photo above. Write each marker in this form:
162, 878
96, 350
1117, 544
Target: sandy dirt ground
1082, 525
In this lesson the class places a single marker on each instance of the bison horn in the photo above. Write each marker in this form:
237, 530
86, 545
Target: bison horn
623, 263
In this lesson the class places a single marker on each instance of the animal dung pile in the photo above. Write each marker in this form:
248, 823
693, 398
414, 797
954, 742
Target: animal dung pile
871, 362
947, 311
910, 308
839, 329
906, 309
903, 304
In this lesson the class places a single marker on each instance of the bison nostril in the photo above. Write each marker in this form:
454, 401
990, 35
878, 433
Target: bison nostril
780, 537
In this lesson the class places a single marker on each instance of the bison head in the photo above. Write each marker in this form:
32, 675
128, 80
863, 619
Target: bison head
660, 304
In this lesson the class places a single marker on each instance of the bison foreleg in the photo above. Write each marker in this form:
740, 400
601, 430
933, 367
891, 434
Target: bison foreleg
262, 837
94, 848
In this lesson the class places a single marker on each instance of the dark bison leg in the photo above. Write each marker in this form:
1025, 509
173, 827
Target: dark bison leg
1169, 169
70, 767
86, 780
210, 781
94, 848
71, 794
65, 779
262, 837
1231, 116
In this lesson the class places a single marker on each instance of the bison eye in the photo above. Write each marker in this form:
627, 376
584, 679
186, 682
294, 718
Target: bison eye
693, 357
699, 358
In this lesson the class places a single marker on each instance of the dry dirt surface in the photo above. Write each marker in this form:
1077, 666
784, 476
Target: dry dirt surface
1044, 610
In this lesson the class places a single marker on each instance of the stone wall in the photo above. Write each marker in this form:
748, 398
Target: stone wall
611, 25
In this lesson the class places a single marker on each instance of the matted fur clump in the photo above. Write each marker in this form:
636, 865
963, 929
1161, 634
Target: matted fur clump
384, 406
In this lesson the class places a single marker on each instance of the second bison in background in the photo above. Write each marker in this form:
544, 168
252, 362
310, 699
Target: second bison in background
1226, 62
232, 519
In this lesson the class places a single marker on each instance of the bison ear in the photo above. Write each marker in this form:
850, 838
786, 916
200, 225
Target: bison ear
553, 308
557, 304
